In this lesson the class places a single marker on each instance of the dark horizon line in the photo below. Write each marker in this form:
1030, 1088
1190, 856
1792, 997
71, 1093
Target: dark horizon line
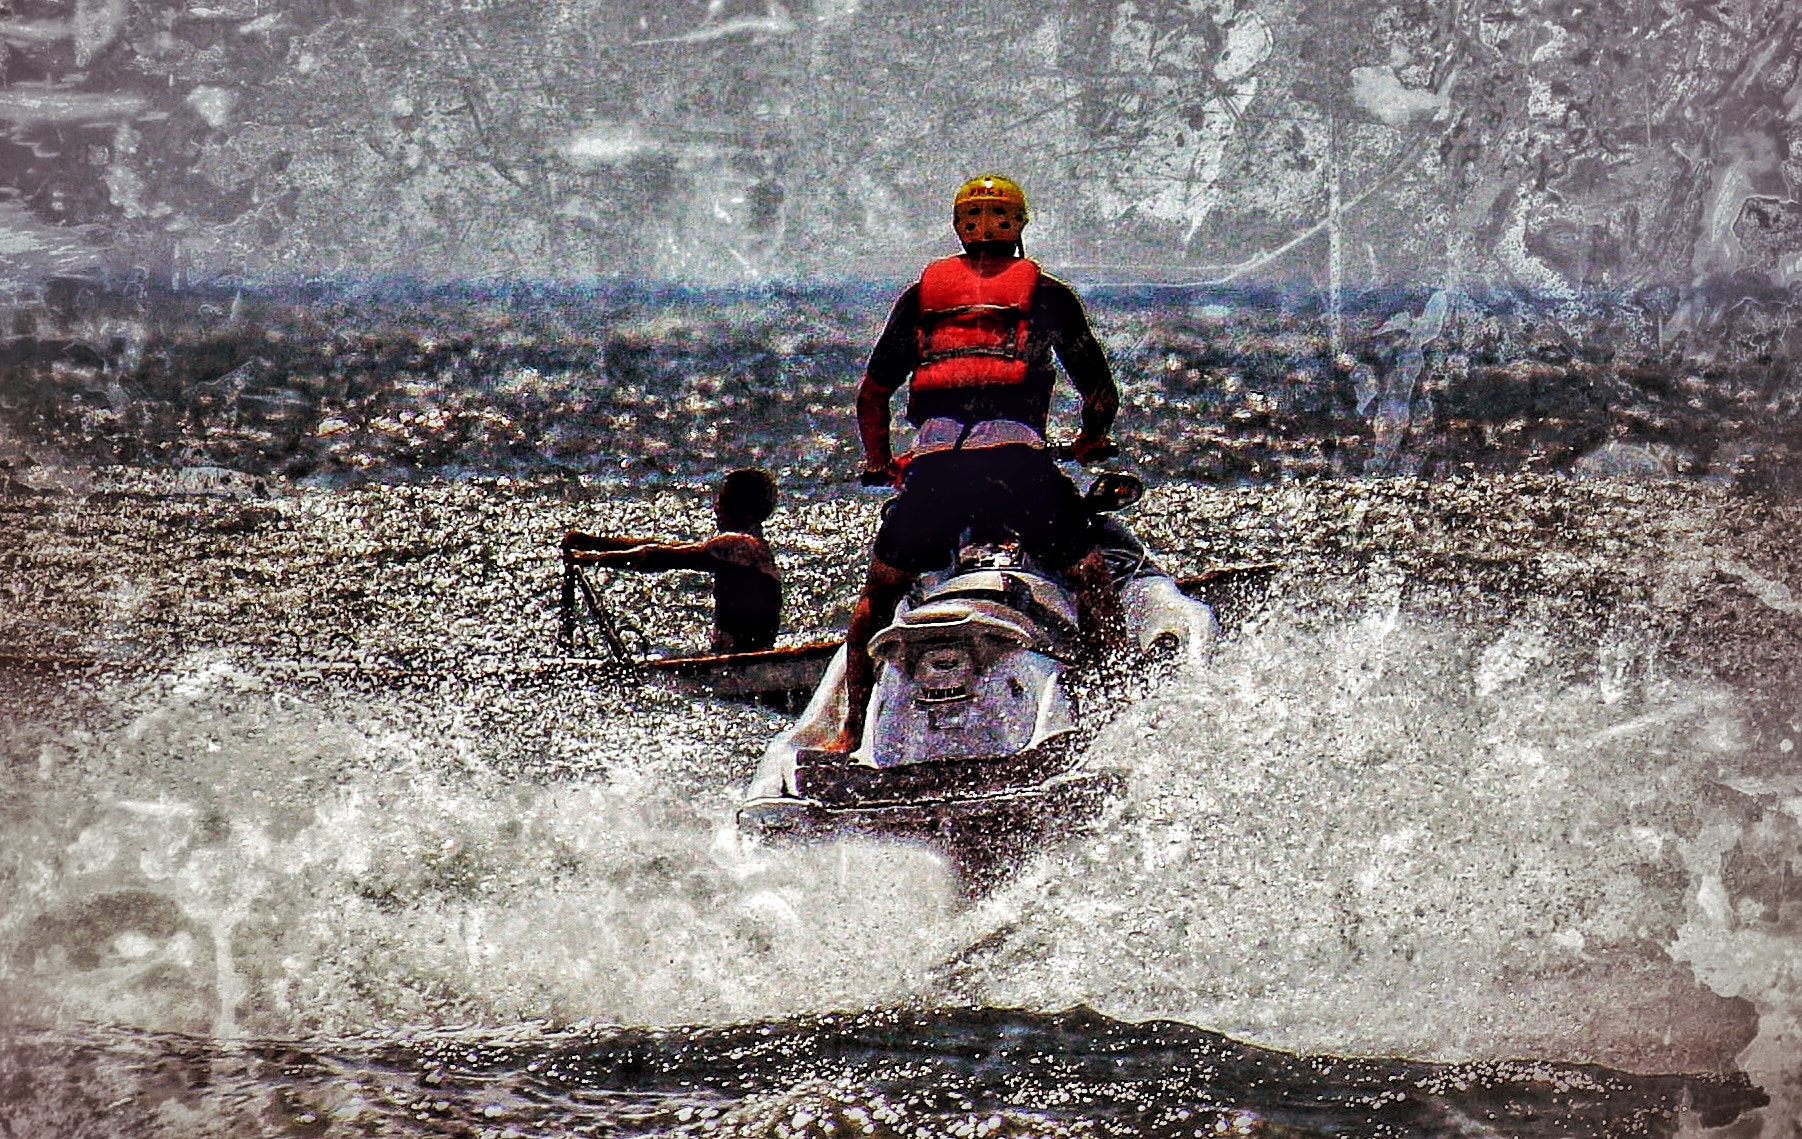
1286, 292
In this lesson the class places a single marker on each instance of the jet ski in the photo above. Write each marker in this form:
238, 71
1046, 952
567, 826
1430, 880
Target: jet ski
982, 702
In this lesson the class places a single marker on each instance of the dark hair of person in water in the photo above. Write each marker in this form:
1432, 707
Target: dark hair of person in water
747, 496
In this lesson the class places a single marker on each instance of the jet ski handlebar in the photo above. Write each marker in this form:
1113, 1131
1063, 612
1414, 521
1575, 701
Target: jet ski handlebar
1066, 453
1062, 452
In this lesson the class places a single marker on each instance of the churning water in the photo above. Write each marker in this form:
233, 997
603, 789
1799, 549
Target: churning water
1374, 823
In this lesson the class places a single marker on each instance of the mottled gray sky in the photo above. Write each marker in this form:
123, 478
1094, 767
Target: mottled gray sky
1544, 145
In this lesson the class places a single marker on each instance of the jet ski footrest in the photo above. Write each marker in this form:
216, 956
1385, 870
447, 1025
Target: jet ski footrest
827, 779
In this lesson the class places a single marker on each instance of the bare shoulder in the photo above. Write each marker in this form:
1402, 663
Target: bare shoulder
741, 549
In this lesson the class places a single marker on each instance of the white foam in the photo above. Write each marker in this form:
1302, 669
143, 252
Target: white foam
1360, 828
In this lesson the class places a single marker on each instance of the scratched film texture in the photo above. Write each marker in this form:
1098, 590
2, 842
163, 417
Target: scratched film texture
1535, 145
321, 319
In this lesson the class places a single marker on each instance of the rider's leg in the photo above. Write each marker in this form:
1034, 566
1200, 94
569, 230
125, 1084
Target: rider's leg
883, 588
1051, 517
1098, 603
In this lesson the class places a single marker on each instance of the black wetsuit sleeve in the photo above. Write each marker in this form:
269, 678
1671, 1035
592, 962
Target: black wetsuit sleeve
891, 362
897, 350
1067, 326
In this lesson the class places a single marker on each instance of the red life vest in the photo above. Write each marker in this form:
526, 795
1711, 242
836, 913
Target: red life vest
972, 326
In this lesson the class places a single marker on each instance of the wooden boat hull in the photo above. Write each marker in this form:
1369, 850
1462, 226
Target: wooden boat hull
765, 673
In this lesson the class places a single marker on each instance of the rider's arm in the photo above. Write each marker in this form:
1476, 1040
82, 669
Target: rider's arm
893, 359
1082, 357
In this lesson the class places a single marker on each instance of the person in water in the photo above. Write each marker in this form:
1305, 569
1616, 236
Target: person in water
974, 340
747, 589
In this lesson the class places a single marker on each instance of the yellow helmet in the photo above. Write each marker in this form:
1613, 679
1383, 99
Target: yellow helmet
989, 208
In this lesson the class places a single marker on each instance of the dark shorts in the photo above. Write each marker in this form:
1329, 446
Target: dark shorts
948, 495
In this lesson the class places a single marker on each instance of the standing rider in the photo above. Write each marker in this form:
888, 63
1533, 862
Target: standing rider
976, 335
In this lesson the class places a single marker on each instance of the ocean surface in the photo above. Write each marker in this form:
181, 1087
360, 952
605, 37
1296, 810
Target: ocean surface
1483, 818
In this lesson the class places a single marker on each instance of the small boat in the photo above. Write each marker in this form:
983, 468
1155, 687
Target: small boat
765, 675
780, 676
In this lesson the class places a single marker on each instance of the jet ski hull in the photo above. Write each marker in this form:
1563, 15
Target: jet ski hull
937, 799
802, 792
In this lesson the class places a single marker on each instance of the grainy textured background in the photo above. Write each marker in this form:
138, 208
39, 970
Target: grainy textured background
1503, 765
1537, 145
